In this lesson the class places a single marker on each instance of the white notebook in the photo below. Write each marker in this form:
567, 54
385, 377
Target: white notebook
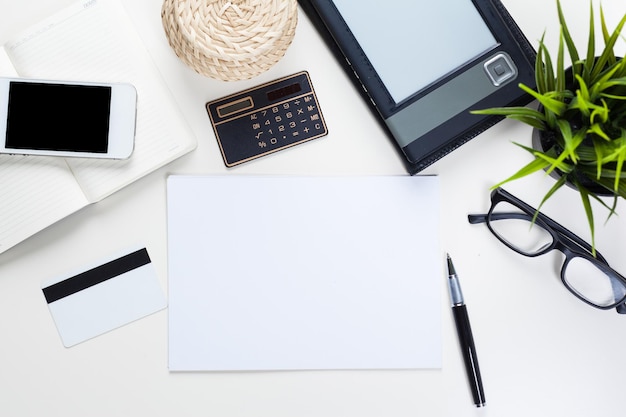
92, 40
285, 273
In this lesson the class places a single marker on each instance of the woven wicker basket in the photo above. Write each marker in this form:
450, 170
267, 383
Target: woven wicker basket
230, 40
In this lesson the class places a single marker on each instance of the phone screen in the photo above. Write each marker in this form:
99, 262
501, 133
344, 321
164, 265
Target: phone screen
414, 44
58, 117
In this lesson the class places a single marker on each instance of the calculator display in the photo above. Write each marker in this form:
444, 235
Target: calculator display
235, 106
284, 91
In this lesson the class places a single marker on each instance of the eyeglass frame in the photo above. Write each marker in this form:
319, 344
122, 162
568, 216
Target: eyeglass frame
563, 240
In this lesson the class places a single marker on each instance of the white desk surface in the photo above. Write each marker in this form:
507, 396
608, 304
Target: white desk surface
542, 352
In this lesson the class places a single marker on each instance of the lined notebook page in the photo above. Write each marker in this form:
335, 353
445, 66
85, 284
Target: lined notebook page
94, 41
35, 192
6, 67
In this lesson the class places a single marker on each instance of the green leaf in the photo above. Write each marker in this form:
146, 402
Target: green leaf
571, 141
603, 83
584, 195
560, 66
583, 91
586, 154
613, 97
531, 167
558, 184
607, 53
601, 112
611, 209
607, 173
523, 114
605, 34
622, 64
537, 124
620, 160
540, 75
554, 163
598, 148
506, 111
621, 81
613, 152
597, 129
571, 47
550, 159
591, 44
608, 183
548, 68
555, 106
580, 104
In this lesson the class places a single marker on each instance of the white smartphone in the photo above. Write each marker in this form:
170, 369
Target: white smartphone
67, 118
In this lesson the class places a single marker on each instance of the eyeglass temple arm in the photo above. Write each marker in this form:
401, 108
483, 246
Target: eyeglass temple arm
482, 218
477, 218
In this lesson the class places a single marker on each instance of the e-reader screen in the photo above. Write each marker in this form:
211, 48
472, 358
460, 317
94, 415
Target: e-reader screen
413, 44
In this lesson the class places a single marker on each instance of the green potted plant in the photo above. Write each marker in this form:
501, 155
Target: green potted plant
579, 134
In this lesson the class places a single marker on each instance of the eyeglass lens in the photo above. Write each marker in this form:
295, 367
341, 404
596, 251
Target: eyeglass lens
589, 280
516, 229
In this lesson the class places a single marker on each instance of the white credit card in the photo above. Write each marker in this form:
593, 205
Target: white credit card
104, 296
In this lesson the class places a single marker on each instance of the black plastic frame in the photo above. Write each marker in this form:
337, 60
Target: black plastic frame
563, 240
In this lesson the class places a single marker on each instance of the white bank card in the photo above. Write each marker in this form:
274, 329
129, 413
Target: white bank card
104, 296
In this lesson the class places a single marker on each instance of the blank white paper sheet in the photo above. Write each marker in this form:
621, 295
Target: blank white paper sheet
303, 273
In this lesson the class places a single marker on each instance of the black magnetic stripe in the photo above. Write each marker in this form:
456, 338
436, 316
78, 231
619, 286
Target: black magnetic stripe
96, 275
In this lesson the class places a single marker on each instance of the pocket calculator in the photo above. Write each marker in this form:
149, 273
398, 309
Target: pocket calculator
266, 119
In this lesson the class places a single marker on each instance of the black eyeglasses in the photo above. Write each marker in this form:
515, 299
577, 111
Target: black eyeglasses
589, 278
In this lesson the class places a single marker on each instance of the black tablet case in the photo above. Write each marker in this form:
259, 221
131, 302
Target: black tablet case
483, 122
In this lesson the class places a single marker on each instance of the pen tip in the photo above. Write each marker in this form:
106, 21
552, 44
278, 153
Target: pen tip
451, 270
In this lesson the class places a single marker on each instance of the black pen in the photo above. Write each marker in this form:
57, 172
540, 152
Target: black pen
466, 340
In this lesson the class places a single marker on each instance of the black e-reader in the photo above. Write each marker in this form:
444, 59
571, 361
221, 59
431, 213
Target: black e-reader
423, 66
